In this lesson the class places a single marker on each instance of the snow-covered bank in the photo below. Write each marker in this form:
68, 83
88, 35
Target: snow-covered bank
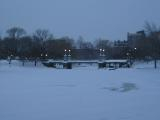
18, 63
40, 93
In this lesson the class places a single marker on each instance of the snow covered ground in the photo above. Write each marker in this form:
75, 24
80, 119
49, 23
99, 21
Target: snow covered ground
83, 93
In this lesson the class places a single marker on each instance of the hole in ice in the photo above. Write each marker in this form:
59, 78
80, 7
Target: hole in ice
125, 87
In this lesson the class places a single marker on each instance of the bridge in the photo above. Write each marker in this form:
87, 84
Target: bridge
67, 64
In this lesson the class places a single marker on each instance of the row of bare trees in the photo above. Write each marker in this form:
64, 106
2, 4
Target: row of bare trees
17, 43
42, 44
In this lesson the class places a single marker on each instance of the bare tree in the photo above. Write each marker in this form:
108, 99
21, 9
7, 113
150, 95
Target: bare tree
79, 43
102, 44
42, 35
154, 40
150, 28
16, 32
82, 44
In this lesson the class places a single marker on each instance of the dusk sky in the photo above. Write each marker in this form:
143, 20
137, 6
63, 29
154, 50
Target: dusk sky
92, 19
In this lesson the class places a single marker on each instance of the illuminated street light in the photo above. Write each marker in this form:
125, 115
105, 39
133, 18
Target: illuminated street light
102, 54
69, 52
67, 57
65, 51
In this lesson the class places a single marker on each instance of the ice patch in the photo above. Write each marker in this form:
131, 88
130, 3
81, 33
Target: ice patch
125, 87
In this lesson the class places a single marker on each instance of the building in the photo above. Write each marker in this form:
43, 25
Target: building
122, 44
132, 38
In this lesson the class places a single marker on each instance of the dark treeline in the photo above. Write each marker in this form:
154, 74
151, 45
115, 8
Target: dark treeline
42, 44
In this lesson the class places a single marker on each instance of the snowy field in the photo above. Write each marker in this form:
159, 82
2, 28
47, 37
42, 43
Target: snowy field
83, 93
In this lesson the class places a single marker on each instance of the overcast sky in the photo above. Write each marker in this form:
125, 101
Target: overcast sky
92, 19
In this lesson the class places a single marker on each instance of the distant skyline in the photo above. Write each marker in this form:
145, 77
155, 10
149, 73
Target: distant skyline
91, 19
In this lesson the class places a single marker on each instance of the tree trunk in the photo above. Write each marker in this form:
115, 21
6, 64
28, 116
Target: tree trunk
35, 62
155, 63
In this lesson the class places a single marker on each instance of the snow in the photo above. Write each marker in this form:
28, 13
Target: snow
83, 93
89, 61
115, 61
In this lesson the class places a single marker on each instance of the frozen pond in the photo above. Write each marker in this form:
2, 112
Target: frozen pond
29, 93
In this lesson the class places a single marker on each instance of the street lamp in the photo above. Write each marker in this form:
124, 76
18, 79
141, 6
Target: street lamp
135, 52
102, 54
69, 52
43, 55
67, 57
65, 52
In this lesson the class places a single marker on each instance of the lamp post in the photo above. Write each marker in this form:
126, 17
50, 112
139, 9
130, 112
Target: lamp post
44, 56
101, 63
102, 54
67, 54
135, 52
